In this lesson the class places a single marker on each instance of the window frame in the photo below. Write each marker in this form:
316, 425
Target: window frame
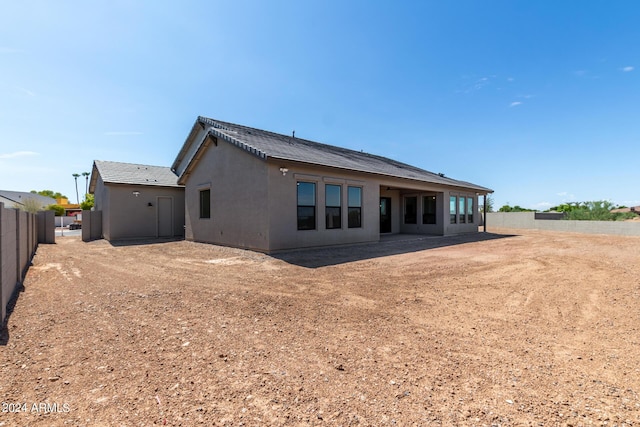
453, 213
415, 213
330, 218
425, 210
205, 209
351, 208
470, 209
300, 222
462, 209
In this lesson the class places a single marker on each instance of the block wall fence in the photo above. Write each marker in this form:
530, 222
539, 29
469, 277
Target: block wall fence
20, 233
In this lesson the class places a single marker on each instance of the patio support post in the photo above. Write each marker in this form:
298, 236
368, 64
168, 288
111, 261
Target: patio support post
484, 208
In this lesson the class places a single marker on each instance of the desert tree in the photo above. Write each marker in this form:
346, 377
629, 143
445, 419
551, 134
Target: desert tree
76, 176
86, 185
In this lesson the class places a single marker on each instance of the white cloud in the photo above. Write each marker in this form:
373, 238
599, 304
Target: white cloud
627, 69
27, 91
580, 73
510, 79
515, 104
18, 154
122, 133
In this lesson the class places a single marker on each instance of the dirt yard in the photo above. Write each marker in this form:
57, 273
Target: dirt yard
528, 329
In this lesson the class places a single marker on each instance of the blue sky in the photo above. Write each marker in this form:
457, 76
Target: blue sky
537, 100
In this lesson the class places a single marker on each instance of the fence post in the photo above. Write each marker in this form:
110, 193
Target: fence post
3, 308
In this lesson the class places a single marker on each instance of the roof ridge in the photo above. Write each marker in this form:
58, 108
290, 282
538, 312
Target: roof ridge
224, 125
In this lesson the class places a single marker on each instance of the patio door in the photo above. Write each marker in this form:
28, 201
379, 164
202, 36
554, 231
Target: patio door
385, 214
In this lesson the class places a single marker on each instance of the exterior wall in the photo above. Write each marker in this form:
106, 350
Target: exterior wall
396, 208
467, 227
254, 205
419, 227
527, 220
46, 227
127, 216
195, 136
18, 242
101, 204
282, 205
238, 184
91, 225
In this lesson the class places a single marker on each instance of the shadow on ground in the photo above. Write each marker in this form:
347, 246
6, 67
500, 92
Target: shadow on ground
388, 245
138, 242
4, 329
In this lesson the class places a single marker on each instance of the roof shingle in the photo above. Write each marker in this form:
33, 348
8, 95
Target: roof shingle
135, 174
266, 144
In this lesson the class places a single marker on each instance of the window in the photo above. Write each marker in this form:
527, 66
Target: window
410, 210
429, 210
306, 206
470, 209
462, 210
453, 205
333, 206
205, 203
354, 204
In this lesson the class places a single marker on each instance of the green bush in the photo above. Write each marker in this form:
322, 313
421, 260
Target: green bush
592, 211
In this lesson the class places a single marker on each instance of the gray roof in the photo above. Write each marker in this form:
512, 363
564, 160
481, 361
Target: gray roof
18, 198
132, 174
265, 144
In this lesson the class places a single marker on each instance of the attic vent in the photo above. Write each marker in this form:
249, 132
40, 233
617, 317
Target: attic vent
441, 175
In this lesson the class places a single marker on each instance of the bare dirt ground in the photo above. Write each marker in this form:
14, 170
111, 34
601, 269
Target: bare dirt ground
534, 328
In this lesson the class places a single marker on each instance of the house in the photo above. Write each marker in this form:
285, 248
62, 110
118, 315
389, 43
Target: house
137, 201
260, 190
17, 199
70, 209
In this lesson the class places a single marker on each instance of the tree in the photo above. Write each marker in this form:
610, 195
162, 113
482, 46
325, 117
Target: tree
489, 201
31, 205
88, 202
59, 210
76, 176
592, 211
516, 208
86, 185
49, 193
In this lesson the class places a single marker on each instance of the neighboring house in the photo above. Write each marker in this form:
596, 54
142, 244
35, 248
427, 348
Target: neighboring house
16, 199
634, 209
137, 201
70, 209
260, 190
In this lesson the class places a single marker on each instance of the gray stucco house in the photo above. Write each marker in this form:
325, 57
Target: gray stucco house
137, 201
17, 199
265, 191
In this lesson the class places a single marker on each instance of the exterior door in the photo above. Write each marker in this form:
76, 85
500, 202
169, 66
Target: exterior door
165, 217
385, 214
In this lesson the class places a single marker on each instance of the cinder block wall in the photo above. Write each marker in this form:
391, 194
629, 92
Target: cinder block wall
18, 243
527, 220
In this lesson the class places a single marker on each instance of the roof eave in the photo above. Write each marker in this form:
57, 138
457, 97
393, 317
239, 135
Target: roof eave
456, 184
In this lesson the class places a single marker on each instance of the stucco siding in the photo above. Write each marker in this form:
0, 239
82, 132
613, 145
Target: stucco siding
284, 233
136, 216
237, 182
194, 138
460, 227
